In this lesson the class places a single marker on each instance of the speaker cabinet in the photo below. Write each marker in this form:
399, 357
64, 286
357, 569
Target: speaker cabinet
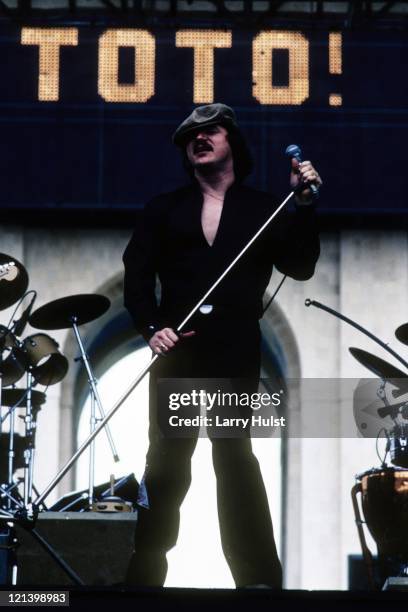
97, 546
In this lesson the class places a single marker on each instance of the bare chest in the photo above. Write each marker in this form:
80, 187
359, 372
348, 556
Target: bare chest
210, 217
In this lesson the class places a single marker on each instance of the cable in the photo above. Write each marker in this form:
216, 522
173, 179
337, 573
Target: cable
274, 295
19, 304
376, 445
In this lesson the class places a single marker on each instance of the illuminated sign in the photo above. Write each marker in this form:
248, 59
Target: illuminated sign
202, 42
49, 42
87, 112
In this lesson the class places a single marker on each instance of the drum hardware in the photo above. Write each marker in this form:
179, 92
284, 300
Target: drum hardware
397, 446
11, 454
397, 436
95, 400
18, 500
384, 491
23, 455
91, 473
309, 302
30, 427
5, 492
37, 356
15, 508
384, 370
394, 418
65, 313
393, 410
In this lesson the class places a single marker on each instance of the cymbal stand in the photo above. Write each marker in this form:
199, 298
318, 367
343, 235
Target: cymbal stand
5, 491
19, 510
29, 452
95, 401
7, 488
11, 453
92, 422
19, 513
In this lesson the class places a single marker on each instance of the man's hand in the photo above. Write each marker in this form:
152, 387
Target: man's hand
303, 174
164, 339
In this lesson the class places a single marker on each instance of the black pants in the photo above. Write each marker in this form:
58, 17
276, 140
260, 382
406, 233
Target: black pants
219, 350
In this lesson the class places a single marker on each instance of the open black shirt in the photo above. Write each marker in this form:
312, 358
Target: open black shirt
169, 241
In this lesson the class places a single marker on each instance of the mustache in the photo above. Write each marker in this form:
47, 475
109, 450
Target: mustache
202, 145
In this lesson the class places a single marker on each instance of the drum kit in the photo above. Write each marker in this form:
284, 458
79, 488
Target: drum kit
38, 358
383, 490
38, 361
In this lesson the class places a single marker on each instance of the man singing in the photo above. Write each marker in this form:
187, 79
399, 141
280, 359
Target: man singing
188, 237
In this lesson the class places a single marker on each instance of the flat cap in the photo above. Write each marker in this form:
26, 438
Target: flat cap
210, 114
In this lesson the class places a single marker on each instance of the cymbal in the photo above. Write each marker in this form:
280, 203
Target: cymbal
59, 313
401, 333
13, 280
393, 410
10, 397
378, 366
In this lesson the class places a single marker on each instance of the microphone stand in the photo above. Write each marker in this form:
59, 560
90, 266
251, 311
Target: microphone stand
146, 369
310, 302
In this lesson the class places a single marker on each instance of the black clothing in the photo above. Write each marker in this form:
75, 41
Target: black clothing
170, 240
245, 523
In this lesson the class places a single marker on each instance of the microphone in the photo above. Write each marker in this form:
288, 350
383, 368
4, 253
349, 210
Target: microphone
294, 151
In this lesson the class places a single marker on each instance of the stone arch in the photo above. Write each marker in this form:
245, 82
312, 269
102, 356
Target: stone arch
112, 336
